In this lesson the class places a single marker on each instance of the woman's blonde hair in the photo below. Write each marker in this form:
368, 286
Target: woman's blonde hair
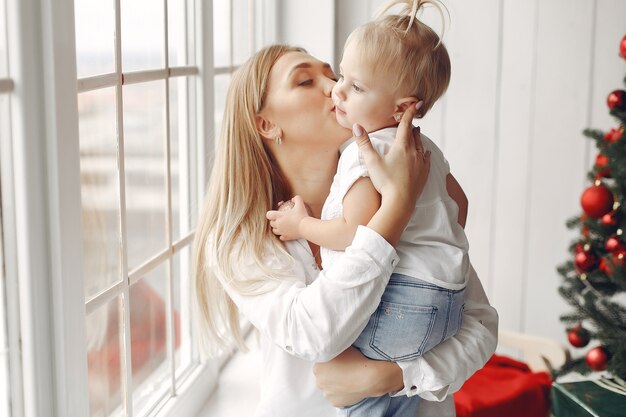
407, 49
232, 229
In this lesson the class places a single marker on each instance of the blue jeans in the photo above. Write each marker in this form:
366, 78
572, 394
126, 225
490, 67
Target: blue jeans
413, 317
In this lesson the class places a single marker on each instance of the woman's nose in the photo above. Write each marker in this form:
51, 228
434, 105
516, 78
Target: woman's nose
328, 86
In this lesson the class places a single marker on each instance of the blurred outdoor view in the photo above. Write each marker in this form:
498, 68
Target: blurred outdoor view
142, 122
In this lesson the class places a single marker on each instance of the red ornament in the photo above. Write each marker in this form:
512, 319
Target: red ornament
605, 267
619, 258
597, 201
609, 219
613, 135
597, 358
613, 244
622, 47
578, 336
617, 100
585, 231
602, 166
586, 261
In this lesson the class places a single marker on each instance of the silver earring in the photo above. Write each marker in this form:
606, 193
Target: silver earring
278, 140
397, 117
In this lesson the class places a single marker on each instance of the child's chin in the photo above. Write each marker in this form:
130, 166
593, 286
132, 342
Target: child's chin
343, 122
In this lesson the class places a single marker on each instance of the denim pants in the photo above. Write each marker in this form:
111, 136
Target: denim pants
413, 317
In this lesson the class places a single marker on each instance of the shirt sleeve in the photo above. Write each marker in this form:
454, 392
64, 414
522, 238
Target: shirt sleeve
444, 369
319, 321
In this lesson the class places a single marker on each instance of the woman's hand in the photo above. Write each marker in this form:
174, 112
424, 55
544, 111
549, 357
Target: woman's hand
399, 176
350, 377
402, 173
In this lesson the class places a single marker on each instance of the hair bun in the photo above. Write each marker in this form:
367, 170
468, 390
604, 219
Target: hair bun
411, 8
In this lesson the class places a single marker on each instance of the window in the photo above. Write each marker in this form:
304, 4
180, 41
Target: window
137, 109
140, 105
9, 352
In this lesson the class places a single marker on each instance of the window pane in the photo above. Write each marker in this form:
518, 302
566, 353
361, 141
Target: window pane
182, 302
143, 34
179, 158
95, 37
221, 33
145, 170
148, 311
3, 42
221, 88
177, 32
5, 394
99, 190
242, 48
102, 330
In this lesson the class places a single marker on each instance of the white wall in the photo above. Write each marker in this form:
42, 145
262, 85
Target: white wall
309, 24
528, 77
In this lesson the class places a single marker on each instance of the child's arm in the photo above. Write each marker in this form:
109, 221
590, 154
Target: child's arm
359, 205
456, 193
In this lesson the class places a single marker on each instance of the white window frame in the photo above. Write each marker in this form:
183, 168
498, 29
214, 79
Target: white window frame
9, 255
45, 184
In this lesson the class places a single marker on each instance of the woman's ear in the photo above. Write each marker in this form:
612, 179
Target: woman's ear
265, 127
402, 104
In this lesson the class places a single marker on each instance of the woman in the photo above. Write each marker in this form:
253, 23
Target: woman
280, 138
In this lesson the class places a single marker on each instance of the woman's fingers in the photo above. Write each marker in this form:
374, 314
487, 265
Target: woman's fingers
406, 123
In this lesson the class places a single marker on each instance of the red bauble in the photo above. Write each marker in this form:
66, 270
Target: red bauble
617, 100
622, 47
597, 201
609, 219
586, 261
602, 163
605, 267
578, 336
619, 258
613, 135
613, 244
597, 358
585, 232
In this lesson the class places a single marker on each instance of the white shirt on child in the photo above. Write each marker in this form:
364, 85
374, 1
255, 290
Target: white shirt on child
433, 247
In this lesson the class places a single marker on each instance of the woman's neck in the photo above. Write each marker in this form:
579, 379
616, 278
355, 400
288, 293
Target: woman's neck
309, 174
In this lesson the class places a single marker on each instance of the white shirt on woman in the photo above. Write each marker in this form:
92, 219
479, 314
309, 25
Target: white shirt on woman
433, 246
318, 314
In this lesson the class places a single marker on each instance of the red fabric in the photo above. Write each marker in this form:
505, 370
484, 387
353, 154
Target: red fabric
504, 387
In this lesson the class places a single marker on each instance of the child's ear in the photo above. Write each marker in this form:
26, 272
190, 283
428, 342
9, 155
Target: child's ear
266, 128
404, 103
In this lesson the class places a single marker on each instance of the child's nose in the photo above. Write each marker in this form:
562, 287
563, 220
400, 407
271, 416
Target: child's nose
338, 91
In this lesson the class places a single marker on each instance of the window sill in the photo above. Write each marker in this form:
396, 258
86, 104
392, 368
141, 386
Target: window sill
237, 390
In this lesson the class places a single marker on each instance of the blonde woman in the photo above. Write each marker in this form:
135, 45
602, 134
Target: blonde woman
280, 138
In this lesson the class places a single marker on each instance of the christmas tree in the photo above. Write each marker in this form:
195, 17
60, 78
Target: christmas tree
594, 281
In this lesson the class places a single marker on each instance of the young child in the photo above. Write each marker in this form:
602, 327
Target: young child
389, 64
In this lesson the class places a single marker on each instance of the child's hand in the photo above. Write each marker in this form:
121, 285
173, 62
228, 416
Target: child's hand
285, 221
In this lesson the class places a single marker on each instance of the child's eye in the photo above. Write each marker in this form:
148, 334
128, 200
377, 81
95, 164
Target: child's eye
357, 88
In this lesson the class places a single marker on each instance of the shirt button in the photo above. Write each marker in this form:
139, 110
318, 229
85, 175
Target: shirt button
413, 388
288, 348
394, 262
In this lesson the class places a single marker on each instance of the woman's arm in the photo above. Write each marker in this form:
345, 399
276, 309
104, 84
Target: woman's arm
440, 372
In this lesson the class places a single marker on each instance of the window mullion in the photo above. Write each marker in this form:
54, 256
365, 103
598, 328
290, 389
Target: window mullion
169, 299
125, 341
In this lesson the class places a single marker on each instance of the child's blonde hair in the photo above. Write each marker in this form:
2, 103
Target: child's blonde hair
400, 44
